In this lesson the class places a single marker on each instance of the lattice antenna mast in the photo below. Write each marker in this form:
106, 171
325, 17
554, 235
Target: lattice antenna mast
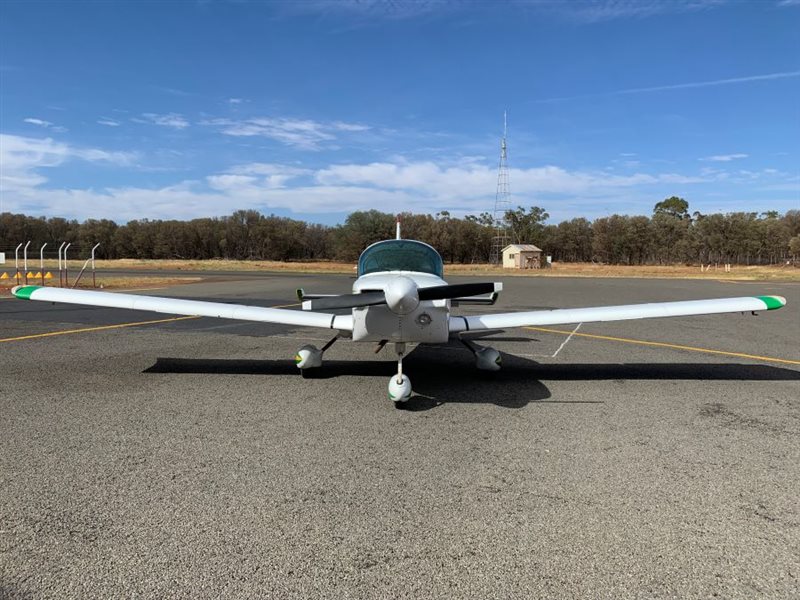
502, 201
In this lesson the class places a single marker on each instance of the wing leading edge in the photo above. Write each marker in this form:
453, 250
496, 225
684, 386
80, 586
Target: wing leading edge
615, 313
175, 306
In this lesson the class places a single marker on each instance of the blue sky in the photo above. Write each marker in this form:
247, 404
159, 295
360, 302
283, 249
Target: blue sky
131, 110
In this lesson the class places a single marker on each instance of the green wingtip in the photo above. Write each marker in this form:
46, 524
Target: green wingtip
773, 302
24, 291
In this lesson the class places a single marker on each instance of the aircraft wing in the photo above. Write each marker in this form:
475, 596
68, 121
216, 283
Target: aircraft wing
175, 306
615, 313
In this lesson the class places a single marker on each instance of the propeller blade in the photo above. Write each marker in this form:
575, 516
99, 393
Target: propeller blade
345, 301
458, 290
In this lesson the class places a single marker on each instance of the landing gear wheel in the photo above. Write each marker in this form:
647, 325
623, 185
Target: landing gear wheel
308, 357
399, 389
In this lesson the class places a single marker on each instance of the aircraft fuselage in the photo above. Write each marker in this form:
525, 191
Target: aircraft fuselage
427, 323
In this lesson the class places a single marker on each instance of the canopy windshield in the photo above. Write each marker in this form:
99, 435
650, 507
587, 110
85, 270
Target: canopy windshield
400, 255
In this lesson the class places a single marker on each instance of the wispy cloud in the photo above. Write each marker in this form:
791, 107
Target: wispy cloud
44, 124
305, 134
173, 120
595, 11
108, 122
583, 11
725, 157
267, 175
374, 9
235, 100
422, 186
39, 122
682, 86
171, 91
340, 126
22, 157
711, 83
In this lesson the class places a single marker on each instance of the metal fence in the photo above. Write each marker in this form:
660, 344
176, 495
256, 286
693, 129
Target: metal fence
25, 276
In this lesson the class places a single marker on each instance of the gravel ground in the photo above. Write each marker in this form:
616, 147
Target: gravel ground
189, 459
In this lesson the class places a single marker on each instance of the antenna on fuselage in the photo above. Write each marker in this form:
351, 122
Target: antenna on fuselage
397, 236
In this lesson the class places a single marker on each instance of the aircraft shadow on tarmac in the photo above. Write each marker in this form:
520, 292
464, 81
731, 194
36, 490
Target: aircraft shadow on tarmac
453, 378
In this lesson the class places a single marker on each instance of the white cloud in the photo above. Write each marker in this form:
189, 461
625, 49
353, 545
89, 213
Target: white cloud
108, 122
44, 124
725, 157
594, 11
476, 182
681, 86
21, 158
269, 175
235, 100
304, 134
422, 187
586, 11
39, 122
339, 125
172, 120
269, 169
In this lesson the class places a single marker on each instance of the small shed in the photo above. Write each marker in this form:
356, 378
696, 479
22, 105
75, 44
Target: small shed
522, 256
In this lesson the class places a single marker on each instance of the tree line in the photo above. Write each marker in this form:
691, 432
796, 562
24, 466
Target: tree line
670, 235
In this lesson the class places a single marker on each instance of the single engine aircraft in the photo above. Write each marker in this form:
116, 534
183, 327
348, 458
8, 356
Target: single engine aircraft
400, 297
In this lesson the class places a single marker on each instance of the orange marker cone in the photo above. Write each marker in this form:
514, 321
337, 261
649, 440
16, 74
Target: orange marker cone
4, 275
48, 275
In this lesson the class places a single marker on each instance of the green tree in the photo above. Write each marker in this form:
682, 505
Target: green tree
794, 247
526, 227
361, 229
674, 206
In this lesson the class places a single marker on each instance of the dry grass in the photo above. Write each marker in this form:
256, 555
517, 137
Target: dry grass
737, 273
753, 273
134, 264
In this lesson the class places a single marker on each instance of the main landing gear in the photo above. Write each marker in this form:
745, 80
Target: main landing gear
486, 358
310, 357
399, 389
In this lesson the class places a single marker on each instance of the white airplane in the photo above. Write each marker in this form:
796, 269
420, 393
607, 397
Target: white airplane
400, 297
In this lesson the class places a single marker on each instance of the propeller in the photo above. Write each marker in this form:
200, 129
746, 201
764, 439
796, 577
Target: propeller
458, 290
402, 295
345, 301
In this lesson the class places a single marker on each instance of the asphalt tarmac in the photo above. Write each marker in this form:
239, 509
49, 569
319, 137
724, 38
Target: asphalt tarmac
187, 458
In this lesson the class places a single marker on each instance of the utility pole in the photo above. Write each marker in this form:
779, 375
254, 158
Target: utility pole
502, 201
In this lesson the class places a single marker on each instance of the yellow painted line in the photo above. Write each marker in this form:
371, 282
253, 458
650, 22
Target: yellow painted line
165, 287
100, 328
107, 327
666, 345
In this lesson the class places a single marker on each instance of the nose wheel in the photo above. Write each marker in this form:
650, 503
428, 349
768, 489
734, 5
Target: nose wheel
399, 385
399, 389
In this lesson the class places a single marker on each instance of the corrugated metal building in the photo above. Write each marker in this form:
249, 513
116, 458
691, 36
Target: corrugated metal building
522, 256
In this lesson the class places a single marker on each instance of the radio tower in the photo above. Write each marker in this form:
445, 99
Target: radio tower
502, 202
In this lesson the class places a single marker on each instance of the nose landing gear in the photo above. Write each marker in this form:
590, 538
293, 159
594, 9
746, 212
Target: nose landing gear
399, 385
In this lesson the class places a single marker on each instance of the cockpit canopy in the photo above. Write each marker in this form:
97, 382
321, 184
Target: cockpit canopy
400, 255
